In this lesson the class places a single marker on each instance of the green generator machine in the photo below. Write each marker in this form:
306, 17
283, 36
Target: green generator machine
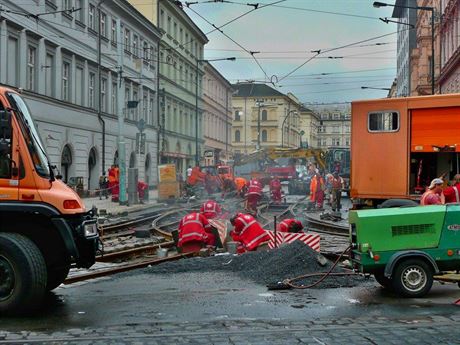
406, 248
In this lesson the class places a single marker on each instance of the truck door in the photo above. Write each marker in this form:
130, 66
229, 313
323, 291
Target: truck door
9, 173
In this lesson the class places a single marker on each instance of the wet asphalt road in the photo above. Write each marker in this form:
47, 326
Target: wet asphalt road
140, 298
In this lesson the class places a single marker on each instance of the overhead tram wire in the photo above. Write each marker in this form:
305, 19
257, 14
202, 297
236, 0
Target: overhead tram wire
252, 53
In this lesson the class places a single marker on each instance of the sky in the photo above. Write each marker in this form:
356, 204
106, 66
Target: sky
285, 33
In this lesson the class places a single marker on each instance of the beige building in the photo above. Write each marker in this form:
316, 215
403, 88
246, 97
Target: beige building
263, 117
334, 127
309, 123
181, 50
421, 55
217, 104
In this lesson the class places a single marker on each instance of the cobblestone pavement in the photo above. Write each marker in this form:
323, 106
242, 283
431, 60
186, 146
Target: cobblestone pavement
426, 330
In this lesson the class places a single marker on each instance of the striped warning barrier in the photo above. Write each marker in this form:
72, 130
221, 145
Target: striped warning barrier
311, 239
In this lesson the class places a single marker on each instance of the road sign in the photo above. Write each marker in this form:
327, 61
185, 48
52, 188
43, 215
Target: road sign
141, 142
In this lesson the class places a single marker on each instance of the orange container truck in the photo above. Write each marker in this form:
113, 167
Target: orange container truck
398, 145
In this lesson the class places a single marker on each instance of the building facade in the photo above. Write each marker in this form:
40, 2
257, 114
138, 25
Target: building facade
277, 114
334, 128
217, 104
55, 60
180, 82
421, 56
449, 80
406, 41
309, 123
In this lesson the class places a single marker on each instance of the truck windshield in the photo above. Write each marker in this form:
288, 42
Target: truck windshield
30, 133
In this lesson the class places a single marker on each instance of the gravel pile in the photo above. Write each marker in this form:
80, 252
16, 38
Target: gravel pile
266, 267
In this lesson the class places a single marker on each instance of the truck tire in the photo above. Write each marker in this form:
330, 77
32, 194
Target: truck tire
412, 278
56, 276
382, 280
397, 203
23, 274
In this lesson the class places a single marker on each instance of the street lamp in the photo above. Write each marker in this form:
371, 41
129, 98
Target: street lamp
379, 4
386, 20
375, 88
282, 126
197, 162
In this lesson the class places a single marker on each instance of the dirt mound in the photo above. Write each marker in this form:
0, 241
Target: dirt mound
266, 267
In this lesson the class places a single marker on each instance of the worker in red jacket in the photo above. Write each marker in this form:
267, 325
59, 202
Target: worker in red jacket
210, 209
275, 190
253, 195
290, 225
248, 232
195, 228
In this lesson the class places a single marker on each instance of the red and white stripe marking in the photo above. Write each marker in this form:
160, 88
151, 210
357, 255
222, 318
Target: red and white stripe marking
311, 239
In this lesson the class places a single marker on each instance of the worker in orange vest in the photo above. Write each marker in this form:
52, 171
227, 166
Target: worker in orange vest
317, 187
195, 232
240, 183
290, 225
210, 209
247, 232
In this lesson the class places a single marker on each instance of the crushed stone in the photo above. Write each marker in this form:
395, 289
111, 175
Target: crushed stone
265, 267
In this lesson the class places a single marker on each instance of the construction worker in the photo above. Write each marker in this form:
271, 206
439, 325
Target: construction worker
210, 209
240, 183
275, 190
195, 233
433, 196
113, 183
253, 195
247, 232
228, 185
317, 187
452, 193
337, 184
290, 225
208, 183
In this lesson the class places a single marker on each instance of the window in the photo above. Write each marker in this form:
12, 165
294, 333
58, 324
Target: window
114, 98
80, 13
31, 68
92, 81
264, 115
145, 51
114, 32
66, 5
103, 94
127, 40
237, 115
237, 136
126, 101
65, 81
161, 24
91, 14
49, 75
103, 24
135, 46
169, 25
347, 141
386, 121
145, 105
335, 129
136, 109
152, 122
79, 90
264, 136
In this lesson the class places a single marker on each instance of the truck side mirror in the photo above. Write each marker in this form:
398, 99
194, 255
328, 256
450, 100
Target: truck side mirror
6, 131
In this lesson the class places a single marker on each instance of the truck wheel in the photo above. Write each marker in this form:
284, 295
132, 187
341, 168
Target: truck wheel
413, 278
397, 203
56, 276
22, 274
382, 280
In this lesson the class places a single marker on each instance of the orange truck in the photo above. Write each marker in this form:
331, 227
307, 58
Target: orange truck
44, 227
398, 145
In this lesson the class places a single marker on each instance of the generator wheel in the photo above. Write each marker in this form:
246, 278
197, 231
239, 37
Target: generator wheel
412, 278
382, 280
56, 276
22, 274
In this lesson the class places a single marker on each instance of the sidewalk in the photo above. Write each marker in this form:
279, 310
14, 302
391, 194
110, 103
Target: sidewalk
114, 208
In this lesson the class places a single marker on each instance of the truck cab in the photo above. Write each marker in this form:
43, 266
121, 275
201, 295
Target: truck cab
44, 227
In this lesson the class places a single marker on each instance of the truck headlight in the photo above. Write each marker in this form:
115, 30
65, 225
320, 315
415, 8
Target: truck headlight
90, 229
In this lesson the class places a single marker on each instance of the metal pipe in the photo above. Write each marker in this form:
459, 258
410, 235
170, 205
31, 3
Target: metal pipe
99, 80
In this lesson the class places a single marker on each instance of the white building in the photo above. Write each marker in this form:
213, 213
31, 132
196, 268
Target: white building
54, 59
334, 128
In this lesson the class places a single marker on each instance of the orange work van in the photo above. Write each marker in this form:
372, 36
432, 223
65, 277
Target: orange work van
398, 145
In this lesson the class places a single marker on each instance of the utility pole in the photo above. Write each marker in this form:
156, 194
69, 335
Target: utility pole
121, 118
259, 104
197, 162
226, 124
99, 81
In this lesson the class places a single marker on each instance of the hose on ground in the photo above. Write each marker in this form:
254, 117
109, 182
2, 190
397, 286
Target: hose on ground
324, 275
